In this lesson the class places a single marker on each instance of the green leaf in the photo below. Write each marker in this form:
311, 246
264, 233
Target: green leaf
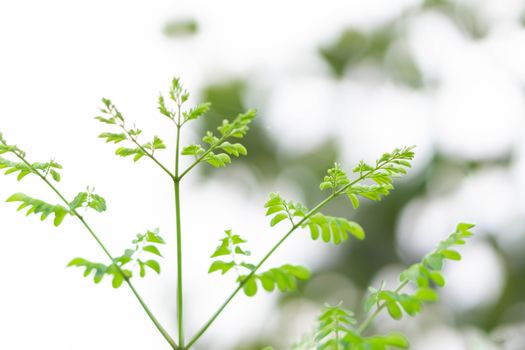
239, 126
248, 266
60, 214
142, 268
197, 111
37, 206
283, 209
285, 277
278, 218
192, 150
451, 254
334, 323
300, 272
106, 120
154, 265
24, 169
79, 200
222, 266
163, 109
217, 160
100, 269
156, 144
240, 251
55, 175
126, 152
222, 250
112, 137
88, 200
354, 228
210, 139
118, 279
234, 149
333, 229
426, 294
152, 249
397, 340
410, 304
97, 203
230, 245
250, 287
275, 209
275, 199
22, 174
353, 198
267, 282
154, 237
335, 179
394, 310
438, 278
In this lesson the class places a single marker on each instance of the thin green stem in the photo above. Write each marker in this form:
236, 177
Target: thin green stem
180, 311
380, 308
176, 183
157, 324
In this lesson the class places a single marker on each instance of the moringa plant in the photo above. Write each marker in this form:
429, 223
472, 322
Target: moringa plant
337, 328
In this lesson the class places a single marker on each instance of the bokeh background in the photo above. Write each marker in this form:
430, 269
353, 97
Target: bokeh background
332, 81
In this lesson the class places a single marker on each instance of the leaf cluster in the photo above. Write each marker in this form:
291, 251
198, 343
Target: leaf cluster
284, 277
90, 200
230, 246
333, 229
335, 179
388, 167
220, 146
113, 116
328, 228
23, 169
121, 268
336, 331
179, 96
37, 206
424, 276
281, 209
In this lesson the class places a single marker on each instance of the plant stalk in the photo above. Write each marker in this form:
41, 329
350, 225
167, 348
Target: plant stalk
176, 185
180, 306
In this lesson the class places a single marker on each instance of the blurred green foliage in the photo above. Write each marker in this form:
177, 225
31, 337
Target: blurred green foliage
380, 48
178, 28
466, 17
